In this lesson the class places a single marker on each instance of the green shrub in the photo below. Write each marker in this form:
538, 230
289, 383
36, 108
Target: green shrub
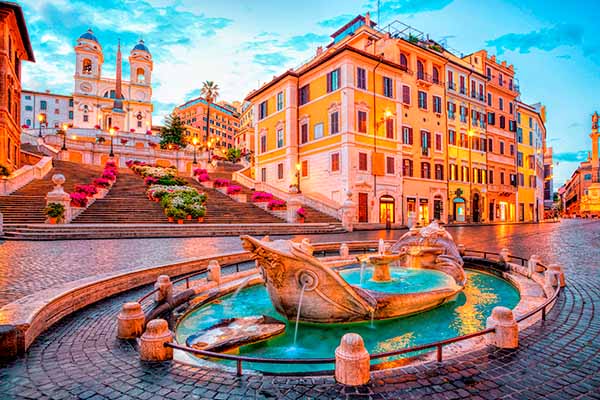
55, 210
4, 171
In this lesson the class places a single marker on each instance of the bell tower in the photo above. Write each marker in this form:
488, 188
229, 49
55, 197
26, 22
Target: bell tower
595, 161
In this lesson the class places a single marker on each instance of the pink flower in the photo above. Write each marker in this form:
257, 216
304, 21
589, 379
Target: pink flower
78, 199
220, 182
199, 171
88, 190
101, 182
234, 189
275, 203
259, 197
301, 212
203, 178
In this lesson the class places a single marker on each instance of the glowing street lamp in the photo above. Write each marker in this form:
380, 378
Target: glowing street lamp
195, 142
111, 131
65, 127
298, 168
41, 119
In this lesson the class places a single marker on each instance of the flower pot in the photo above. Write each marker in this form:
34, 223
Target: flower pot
180, 221
300, 220
200, 219
52, 220
189, 217
171, 219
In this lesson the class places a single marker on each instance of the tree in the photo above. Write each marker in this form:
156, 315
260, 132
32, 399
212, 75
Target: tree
210, 92
234, 154
172, 132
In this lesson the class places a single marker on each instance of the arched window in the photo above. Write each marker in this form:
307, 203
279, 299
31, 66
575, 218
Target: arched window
86, 67
111, 94
420, 70
436, 75
28, 122
403, 61
140, 75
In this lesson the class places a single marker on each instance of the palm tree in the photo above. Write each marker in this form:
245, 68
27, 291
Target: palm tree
210, 92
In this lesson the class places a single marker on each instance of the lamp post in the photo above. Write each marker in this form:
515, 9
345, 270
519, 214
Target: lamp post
112, 134
65, 127
195, 142
472, 176
40, 119
298, 167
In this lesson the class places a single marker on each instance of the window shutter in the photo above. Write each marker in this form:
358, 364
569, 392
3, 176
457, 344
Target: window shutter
410, 135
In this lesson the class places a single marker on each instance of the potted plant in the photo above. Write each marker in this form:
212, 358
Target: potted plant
79, 199
276, 205
180, 215
198, 212
55, 212
300, 215
171, 212
4, 171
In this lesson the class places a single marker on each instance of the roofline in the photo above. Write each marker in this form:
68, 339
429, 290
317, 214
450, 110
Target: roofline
471, 70
359, 17
532, 109
24, 91
321, 61
22, 27
212, 105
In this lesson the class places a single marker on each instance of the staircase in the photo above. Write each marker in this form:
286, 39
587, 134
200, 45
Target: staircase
26, 205
125, 203
312, 215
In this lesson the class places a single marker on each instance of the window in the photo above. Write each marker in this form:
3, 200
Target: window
335, 162
361, 78
501, 103
438, 142
56, 111
28, 122
452, 137
510, 107
451, 110
28, 108
520, 135
27, 97
333, 80
388, 87
403, 61
512, 149
425, 142
489, 99
407, 135
141, 75
139, 123
502, 121
465, 174
304, 94
439, 172
473, 89
263, 143
491, 176
491, 117
481, 94
407, 167
519, 159
420, 70
86, 67
334, 123
437, 104
425, 170
501, 147
435, 75
279, 138
318, 131
85, 118
422, 100
262, 110
406, 94
362, 161
362, 121
488, 73
390, 165
280, 171
453, 172
304, 133
389, 128
501, 79
279, 101
305, 168
501, 177
463, 114
451, 85
464, 141
43, 105
463, 89
530, 138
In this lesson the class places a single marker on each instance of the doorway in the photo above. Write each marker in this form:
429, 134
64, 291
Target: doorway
476, 217
459, 209
386, 209
437, 208
424, 211
363, 207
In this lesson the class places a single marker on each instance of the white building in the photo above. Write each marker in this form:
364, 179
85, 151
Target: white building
55, 109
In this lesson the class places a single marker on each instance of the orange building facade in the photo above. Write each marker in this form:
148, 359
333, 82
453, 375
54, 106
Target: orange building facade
14, 48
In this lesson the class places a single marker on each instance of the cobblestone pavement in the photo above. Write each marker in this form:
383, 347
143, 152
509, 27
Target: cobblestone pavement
559, 359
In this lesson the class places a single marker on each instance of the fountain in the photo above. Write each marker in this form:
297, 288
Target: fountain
291, 272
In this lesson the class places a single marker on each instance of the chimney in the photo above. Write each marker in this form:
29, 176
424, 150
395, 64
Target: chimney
368, 19
504, 64
493, 58
319, 50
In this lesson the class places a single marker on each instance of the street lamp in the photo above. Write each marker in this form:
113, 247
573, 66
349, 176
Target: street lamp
298, 167
112, 134
40, 118
195, 142
472, 176
65, 127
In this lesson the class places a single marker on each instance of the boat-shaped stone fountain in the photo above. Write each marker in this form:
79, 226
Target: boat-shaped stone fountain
303, 288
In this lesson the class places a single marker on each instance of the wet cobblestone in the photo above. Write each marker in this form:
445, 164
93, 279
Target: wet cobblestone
560, 359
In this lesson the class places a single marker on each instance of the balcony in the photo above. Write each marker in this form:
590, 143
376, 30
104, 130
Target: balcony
429, 79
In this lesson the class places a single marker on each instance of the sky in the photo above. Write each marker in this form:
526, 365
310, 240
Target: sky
241, 44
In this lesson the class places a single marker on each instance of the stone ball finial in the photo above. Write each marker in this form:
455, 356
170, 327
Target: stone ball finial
58, 179
503, 314
352, 361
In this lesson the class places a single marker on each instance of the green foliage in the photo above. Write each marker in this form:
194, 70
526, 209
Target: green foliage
413, 39
234, 154
55, 210
169, 180
172, 132
4, 171
210, 91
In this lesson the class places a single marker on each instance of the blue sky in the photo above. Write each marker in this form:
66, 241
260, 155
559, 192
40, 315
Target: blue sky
241, 44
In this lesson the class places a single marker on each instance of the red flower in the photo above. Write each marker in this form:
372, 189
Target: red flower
148, 132
132, 130
97, 126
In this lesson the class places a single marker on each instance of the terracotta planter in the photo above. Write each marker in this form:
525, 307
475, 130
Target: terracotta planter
180, 221
189, 217
200, 219
52, 220
300, 220
171, 219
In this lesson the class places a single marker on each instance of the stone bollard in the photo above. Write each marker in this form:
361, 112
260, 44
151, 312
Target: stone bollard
344, 250
8, 342
152, 342
506, 335
58, 195
214, 271
555, 275
504, 255
130, 322
532, 264
165, 288
352, 361
347, 212
461, 250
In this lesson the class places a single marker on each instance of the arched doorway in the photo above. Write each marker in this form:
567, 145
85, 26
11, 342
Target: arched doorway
476, 213
459, 209
386, 209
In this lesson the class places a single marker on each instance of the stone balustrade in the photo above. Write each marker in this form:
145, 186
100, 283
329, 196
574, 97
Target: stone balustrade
25, 175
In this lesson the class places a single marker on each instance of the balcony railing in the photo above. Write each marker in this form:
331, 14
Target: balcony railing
422, 76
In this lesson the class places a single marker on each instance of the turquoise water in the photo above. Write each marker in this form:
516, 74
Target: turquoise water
404, 280
466, 314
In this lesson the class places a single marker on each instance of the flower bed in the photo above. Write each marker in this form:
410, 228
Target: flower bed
276, 205
261, 197
300, 214
220, 182
234, 189
82, 194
